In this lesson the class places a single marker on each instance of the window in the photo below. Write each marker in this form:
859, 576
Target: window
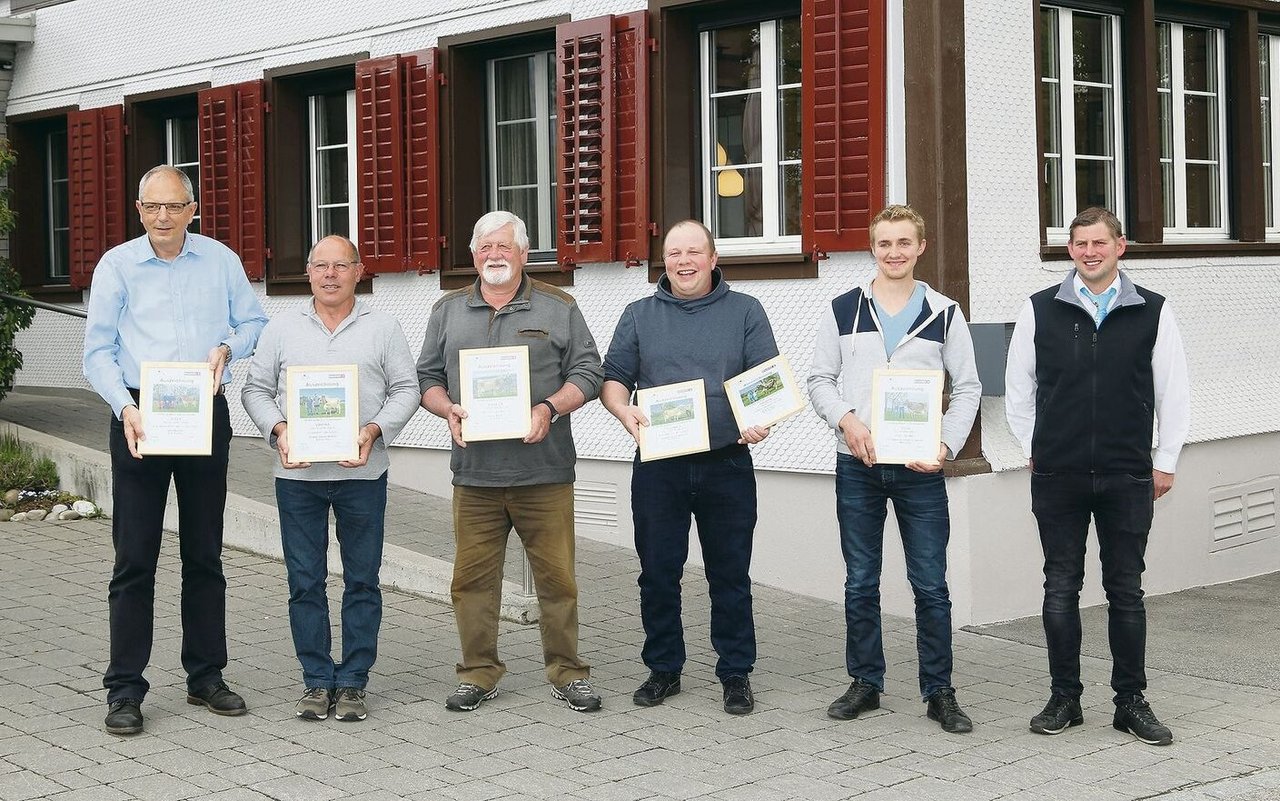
751, 123
1080, 93
1193, 130
1269, 67
331, 123
182, 150
521, 137
57, 212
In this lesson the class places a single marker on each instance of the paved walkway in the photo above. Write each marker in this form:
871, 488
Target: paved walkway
523, 745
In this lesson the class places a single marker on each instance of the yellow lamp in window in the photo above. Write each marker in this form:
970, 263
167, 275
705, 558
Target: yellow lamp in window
728, 182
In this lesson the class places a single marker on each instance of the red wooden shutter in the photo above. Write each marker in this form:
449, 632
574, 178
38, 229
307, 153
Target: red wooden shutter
421, 162
584, 118
232, 175
631, 135
95, 155
380, 163
843, 142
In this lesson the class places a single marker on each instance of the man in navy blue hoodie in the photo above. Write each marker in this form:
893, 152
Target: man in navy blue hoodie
693, 326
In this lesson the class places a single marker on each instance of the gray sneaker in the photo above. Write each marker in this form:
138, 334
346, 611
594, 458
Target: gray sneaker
314, 704
349, 705
468, 696
579, 695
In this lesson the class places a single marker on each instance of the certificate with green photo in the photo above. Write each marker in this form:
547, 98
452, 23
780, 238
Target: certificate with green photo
176, 402
323, 412
677, 420
906, 415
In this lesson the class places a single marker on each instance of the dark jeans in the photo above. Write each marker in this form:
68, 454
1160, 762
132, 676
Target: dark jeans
139, 488
718, 489
920, 504
359, 508
1121, 506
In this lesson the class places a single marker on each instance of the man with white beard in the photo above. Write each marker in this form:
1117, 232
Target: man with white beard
522, 483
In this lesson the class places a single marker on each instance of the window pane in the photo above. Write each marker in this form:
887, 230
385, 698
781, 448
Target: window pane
1164, 68
1198, 61
61, 216
1270, 196
789, 188
1094, 134
1048, 42
193, 173
513, 88
738, 128
1053, 191
524, 204
58, 155
334, 221
1264, 65
1166, 186
736, 57
517, 159
789, 117
1091, 43
1202, 196
1095, 184
1166, 126
332, 176
331, 119
60, 256
186, 144
1052, 118
789, 50
740, 214
1202, 127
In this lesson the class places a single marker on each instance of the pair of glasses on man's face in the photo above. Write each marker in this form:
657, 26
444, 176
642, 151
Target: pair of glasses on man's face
172, 208
325, 266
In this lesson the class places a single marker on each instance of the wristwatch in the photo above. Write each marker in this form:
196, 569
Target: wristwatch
555, 415
227, 348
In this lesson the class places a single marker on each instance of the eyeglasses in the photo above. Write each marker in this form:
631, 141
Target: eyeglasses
489, 248
172, 208
337, 266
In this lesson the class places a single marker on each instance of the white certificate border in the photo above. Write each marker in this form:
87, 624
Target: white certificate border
146, 389
524, 392
879, 424
293, 412
778, 364
644, 397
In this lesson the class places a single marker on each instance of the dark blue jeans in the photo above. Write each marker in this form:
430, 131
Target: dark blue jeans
359, 506
920, 504
1121, 506
718, 489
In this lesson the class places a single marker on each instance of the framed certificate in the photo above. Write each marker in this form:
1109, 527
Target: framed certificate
765, 394
677, 420
323, 412
176, 402
495, 392
906, 415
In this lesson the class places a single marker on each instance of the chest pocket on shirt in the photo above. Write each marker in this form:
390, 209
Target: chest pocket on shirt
533, 333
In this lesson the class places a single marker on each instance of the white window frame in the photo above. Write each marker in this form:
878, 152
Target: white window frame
1180, 231
170, 150
544, 111
1067, 156
53, 270
1271, 149
771, 241
314, 151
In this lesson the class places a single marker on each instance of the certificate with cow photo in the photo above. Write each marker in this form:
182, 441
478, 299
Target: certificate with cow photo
176, 402
677, 420
495, 392
323, 412
906, 415
764, 395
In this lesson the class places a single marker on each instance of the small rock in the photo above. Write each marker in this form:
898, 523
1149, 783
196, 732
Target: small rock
11, 497
85, 508
19, 517
37, 514
58, 508
68, 514
5, 514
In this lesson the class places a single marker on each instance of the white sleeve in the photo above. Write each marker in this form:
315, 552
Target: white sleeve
1020, 379
1172, 392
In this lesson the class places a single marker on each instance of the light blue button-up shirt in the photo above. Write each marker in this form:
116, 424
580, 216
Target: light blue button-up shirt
143, 308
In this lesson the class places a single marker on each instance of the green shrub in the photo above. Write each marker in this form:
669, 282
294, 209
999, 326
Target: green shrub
22, 470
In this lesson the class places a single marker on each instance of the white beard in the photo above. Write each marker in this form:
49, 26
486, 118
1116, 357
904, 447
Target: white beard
496, 273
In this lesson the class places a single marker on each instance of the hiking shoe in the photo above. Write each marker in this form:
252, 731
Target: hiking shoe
860, 697
469, 696
579, 695
1134, 715
349, 705
1060, 713
738, 699
219, 699
124, 717
314, 704
944, 708
657, 688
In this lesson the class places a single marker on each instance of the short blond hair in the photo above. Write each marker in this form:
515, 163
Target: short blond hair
896, 213
711, 240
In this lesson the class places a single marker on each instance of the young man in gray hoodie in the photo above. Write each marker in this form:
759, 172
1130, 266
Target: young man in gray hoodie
897, 322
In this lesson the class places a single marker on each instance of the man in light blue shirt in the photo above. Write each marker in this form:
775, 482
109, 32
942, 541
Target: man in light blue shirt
166, 296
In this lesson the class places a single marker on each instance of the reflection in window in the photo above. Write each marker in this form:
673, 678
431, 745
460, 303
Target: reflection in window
522, 118
57, 190
331, 125
182, 150
1269, 66
751, 122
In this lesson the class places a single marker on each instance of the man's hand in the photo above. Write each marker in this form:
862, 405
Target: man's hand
858, 438
281, 433
133, 433
1163, 482
218, 358
632, 419
753, 435
456, 415
929, 467
368, 435
539, 424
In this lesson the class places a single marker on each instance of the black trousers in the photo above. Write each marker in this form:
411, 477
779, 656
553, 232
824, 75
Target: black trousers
139, 488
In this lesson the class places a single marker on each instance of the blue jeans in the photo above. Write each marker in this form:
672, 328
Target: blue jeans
718, 489
359, 506
1121, 506
920, 504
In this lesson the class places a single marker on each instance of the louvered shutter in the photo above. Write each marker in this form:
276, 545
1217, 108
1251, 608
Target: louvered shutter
843, 141
232, 174
95, 155
380, 163
584, 118
631, 135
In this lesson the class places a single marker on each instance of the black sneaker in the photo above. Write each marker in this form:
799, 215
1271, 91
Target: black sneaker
1058, 715
860, 697
124, 717
738, 699
657, 688
944, 708
219, 699
469, 696
1134, 715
